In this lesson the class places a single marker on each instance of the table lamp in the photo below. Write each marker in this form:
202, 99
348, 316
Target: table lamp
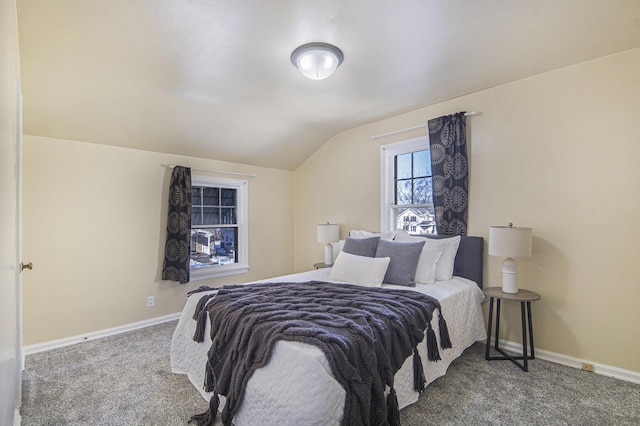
328, 233
509, 242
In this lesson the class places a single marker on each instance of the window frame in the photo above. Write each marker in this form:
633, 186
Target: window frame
242, 244
388, 152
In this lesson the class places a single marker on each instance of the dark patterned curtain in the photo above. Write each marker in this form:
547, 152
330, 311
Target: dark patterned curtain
450, 173
177, 248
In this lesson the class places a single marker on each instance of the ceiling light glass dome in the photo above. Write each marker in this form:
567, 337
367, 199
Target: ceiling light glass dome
317, 61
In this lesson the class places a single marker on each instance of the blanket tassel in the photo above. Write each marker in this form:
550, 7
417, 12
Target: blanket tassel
432, 345
393, 412
201, 326
445, 341
207, 418
419, 381
209, 378
200, 305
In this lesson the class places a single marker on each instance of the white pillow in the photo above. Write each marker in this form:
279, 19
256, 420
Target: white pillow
444, 268
447, 247
431, 252
357, 233
361, 270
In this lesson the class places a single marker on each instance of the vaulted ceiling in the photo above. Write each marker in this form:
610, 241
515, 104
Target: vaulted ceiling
213, 78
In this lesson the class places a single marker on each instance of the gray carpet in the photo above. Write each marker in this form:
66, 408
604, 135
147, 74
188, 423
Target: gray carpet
126, 380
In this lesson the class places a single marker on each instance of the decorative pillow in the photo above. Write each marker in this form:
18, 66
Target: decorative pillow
361, 270
356, 233
444, 267
431, 252
448, 247
404, 261
361, 246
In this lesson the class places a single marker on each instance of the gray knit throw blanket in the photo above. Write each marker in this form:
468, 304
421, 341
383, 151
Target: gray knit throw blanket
365, 333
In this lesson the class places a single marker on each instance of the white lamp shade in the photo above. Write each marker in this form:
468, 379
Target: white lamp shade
508, 241
328, 233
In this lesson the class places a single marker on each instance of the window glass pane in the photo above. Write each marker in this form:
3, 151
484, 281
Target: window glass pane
422, 163
196, 216
227, 197
228, 215
416, 220
211, 216
196, 195
227, 247
215, 246
403, 166
403, 192
201, 243
421, 191
211, 196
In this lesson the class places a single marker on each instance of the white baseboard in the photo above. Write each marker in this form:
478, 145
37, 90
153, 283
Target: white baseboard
602, 369
54, 344
17, 419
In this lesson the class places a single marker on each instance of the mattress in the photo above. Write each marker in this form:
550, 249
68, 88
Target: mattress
297, 386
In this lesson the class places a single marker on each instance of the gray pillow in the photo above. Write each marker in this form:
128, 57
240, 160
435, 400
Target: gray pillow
361, 246
404, 261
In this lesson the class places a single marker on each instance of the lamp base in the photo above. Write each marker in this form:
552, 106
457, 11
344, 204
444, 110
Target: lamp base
328, 254
509, 276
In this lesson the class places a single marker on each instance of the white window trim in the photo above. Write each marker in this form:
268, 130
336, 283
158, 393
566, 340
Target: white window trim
387, 153
242, 266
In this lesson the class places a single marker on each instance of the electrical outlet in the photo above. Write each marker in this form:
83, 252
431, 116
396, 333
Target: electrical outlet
151, 301
588, 367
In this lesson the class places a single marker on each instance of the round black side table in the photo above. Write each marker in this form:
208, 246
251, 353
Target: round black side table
525, 297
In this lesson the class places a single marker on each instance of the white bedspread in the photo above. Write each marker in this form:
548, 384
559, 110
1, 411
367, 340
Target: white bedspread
297, 386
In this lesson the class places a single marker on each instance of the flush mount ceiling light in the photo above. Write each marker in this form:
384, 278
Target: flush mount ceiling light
317, 61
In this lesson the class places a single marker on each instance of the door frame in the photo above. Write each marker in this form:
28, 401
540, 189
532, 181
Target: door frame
19, 328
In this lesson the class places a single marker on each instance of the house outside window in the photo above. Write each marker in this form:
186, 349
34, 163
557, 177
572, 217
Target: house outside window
219, 229
406, 197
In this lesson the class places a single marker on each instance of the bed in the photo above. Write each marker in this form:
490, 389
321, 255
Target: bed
297, 386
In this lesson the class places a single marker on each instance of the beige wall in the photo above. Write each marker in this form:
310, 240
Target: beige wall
94, 228
557, 152
9, 258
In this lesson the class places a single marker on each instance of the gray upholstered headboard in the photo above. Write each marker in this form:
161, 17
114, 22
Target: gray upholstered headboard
469, 260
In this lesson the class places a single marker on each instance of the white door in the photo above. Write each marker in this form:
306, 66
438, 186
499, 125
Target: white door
10, 232
10, 271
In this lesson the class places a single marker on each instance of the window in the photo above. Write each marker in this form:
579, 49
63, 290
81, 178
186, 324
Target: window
406, 198
218, 227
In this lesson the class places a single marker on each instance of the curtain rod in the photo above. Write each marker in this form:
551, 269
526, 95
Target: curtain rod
466, 114
171, 166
